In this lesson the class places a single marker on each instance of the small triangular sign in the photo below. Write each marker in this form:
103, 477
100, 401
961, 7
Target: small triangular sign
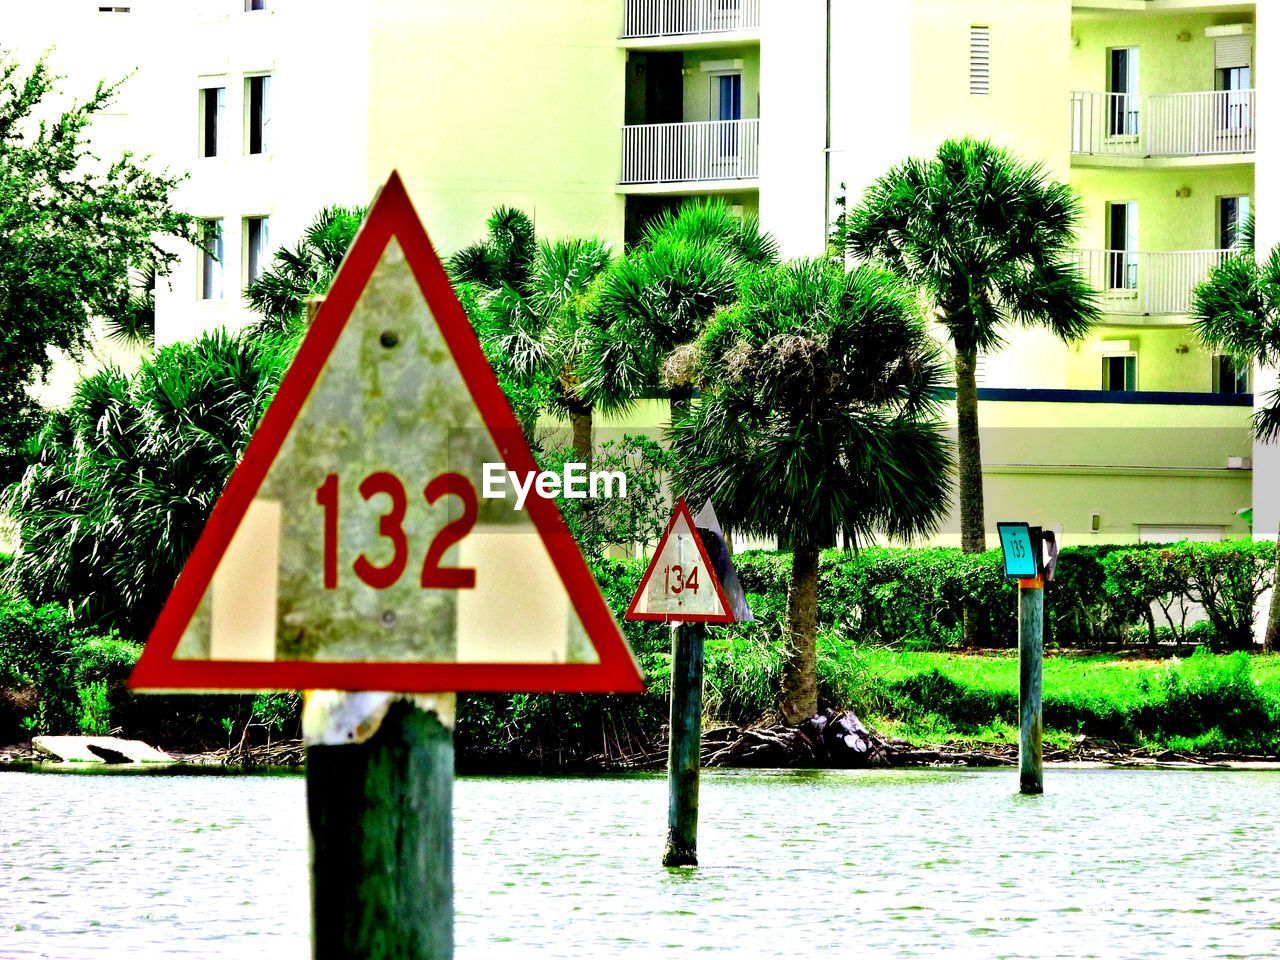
680, 584
358, 545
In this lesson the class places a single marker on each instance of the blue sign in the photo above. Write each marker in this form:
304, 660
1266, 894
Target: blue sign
1019, 550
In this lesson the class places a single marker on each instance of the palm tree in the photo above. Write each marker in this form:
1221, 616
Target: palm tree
538, 331
656, 300
306, 270
503, 257
1236, 310
987, 238
820, 418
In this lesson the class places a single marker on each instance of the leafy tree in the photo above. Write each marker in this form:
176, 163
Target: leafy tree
503, 257
987, 238
655, 301
77, 230
303, 271
820, 419
126, 476
1236, 310
539, 331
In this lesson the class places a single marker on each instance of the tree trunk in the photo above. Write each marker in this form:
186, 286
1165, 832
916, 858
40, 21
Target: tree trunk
1272, 635
973, 528
583, 423
798, 696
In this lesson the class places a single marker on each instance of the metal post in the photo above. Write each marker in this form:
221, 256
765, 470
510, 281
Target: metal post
1030, 707
381, 815
684, 756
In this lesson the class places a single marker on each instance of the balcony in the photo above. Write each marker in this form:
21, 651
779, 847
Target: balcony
650, 21
1122, 126
1131, 283
705, 156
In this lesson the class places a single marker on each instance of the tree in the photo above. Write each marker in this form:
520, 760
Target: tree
125, 477
503, 257
540, 329
656, 300
1236, 310
77, 231
303, 271
987, 238
819, 418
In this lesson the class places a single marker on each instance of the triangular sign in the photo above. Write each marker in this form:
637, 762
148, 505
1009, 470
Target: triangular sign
680, 583
358, 545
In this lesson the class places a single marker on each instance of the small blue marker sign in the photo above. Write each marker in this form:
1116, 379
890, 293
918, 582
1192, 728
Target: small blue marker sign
1019, 550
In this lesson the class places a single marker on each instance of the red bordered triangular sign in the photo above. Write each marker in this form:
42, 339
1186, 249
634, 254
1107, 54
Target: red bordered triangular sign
680, 583
358, 545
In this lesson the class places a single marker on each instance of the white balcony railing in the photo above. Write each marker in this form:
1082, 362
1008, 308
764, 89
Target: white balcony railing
683, 152
679, 18
1163, 125
1146, 284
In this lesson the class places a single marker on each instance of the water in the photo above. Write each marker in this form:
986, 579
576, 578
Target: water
1108, 863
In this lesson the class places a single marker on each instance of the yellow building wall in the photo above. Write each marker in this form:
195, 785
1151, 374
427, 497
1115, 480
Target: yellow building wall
494, 102
1166, 64
1027, 109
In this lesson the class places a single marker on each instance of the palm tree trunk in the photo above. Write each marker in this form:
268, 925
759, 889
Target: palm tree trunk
1270, 638
581, 419
973, 527
798, 694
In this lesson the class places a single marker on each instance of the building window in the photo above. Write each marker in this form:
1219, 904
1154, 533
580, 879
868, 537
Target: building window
979, 60
1120, 373
211, 260
1122, 245
1229, 376
213, 101
257, 93
255, 247
1232, 214
1122, 92
251, 5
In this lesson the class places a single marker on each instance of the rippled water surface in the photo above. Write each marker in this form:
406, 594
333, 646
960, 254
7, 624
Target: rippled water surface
1108, 863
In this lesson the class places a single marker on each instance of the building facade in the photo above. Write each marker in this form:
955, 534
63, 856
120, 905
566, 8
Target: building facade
594, 115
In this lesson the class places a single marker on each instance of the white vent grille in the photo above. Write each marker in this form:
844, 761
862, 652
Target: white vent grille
1232, 52
979, 60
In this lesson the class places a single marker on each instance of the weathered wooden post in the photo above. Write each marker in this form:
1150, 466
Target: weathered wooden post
381, 817
684, 752
1030, 706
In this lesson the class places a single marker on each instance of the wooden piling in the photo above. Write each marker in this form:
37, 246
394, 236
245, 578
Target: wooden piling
381, 815
1030, 674
684, 754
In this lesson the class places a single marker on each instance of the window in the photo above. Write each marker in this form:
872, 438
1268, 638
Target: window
251, 5
1120, 372
211, 258
1122, 92
1122, 242
1232, 214
1233, 73
979, 60
213, 102
255, 247
257, 113
1230, 377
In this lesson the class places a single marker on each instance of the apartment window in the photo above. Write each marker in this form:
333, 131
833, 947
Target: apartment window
1233, 74
211, 259
979, 60
255, 247
1232, 214
1122, 92
1120, 372
251, 5
1229, 376
257, 94
1122, 244
213, 101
